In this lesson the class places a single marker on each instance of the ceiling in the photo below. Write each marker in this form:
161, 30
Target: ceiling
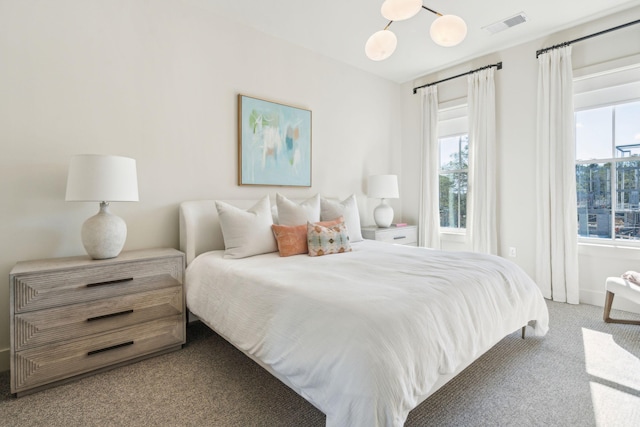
339, 28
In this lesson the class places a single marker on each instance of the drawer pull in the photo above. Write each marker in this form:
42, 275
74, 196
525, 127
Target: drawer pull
104, 316
399, 237
109, 282
113, 347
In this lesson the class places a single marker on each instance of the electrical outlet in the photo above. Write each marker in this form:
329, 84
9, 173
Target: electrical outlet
512, 252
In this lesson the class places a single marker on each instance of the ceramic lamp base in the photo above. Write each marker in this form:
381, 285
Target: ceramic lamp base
104, 234
383, 214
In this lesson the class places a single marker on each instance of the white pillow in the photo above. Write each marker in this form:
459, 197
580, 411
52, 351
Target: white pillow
246, 233
274, 214
291, 213
348, 208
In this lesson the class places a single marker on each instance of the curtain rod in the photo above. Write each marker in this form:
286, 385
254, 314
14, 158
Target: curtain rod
498, 66
599, 33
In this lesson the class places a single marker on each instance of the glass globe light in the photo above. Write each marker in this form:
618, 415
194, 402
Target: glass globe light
381, 45
398, 10
448, 30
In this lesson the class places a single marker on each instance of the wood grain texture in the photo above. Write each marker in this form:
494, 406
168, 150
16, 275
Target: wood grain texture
57, 324
49, 363
60, 327
36, 291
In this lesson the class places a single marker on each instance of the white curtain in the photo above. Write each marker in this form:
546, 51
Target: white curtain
556, 213
481, 187
429, 222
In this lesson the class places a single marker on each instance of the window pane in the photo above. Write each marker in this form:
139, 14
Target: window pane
594, 133
627, 200
594, 200
453, 200
627, 129
454, 152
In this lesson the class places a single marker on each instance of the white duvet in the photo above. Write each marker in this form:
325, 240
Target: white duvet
363, 335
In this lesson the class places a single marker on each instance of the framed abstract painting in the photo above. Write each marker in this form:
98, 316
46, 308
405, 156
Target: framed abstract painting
274, 143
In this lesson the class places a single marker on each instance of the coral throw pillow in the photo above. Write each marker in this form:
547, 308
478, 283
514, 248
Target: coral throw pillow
292, 239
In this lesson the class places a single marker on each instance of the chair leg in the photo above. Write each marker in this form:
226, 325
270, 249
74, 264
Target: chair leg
607, 310
607, 306
523, 329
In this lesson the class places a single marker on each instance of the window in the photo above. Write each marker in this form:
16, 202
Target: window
453, 173
608, 171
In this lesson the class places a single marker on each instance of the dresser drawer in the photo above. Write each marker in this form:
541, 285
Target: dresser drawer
42, 365
50, 289
401, 236
80, 320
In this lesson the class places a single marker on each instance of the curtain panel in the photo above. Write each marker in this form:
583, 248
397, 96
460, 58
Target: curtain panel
429, 222
482, 231
556, 270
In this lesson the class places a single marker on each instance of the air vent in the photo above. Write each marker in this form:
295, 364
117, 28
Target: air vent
506, 23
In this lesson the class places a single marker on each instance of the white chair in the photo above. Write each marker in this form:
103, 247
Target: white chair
625, 289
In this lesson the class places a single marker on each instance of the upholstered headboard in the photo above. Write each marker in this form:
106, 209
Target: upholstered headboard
200, 228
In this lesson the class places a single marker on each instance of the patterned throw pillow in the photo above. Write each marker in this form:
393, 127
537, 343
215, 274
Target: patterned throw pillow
327, 240
292, 239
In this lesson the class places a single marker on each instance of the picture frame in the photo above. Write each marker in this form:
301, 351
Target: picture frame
274, 143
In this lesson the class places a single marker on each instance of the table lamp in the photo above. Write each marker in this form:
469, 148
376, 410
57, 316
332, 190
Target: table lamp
104, 179
383, 187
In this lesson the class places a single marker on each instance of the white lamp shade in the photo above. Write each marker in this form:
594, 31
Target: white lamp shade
448, 30
383, 187
381, 45
398, 10
99, 178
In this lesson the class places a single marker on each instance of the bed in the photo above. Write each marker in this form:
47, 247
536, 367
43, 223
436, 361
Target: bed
365, 336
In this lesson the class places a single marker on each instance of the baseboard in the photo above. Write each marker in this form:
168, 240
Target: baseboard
597, 298
4, 360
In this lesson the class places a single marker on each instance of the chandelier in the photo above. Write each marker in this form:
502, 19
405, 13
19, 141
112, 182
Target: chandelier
446, 30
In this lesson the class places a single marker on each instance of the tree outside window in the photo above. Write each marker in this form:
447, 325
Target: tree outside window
454, 167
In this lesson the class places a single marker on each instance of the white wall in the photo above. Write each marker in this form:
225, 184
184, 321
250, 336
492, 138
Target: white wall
516, 86
157, 81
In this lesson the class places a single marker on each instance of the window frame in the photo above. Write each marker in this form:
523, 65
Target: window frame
613, 161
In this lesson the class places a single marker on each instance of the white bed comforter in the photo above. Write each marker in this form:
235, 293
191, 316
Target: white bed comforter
363, 335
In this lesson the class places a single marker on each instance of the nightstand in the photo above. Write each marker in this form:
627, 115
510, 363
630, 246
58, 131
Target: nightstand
407, 235
71, 317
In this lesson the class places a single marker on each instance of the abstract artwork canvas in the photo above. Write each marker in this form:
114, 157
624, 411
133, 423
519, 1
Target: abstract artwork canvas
274, 143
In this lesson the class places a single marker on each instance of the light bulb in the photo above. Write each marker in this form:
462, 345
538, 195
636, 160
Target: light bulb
381, 45
448, 30
398, 10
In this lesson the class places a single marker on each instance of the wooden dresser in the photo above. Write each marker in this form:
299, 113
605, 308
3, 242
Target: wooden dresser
74, 316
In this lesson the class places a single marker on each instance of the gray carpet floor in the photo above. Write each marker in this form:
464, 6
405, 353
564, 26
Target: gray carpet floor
583, 373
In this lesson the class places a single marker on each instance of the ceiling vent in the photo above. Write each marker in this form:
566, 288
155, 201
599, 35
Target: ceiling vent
506, 23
